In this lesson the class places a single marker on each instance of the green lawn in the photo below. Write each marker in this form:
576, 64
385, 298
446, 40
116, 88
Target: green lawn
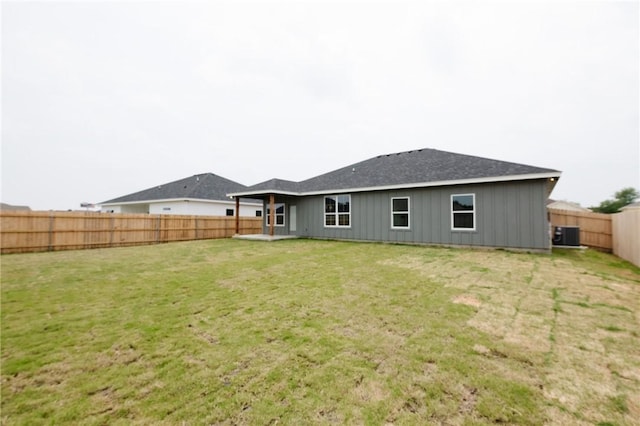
319, 332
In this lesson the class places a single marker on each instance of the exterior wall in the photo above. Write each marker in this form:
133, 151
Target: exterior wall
133, 208
110, 209
509, 214
190, 208
185, 208
286, 229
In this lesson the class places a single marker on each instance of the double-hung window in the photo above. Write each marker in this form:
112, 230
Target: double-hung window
279, 215
337, 211
400, 213
463, 212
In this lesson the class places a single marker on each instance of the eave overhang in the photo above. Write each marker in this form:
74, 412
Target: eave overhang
552, 178
172, 200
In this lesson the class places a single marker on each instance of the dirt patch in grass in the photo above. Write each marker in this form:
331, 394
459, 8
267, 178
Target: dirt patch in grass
465, 299
469, 400
370, 390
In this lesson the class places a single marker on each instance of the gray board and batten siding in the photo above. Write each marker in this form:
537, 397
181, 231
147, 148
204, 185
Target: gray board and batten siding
507, 214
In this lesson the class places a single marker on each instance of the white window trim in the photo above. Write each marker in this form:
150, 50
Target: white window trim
453, 228
283, 214
336, 213
408, 213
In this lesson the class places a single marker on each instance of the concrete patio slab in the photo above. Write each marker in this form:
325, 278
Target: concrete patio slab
264, 237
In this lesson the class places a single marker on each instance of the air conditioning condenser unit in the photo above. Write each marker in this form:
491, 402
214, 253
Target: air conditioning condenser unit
566, 236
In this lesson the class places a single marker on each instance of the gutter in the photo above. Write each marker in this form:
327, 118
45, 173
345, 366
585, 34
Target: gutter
551, 176
166, 200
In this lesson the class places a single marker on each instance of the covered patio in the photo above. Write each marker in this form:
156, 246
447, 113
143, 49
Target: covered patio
273, 200
275, 194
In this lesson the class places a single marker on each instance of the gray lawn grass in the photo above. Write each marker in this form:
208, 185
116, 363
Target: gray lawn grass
319, 332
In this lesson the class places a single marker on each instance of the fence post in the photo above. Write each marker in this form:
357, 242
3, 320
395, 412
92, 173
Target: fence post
111, 230
87, 229
51, 220
237, 215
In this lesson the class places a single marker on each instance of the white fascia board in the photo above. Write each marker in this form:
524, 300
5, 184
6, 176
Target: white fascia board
263, 192
242, 203
509, 178
172, 200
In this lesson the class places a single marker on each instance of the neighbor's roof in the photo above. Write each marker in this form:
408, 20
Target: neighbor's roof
566, 205
422, 167
5, 206
279, 185
635, 205
206, 186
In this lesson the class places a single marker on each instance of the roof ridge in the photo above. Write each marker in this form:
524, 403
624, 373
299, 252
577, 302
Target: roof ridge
403, 152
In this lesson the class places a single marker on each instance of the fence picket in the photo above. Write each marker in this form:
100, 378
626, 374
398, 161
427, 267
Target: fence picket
626, 229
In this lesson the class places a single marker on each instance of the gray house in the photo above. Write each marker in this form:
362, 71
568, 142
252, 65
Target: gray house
423, 196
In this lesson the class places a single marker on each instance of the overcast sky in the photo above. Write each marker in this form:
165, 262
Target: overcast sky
102, 99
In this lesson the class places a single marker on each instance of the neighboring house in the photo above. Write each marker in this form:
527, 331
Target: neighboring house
203, 194
423, 196
566, 205
10, 207
632, 206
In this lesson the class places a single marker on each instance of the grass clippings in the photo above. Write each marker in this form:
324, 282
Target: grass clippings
318, 332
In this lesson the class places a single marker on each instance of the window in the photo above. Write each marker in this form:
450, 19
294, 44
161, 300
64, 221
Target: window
400, 213
229, 212
279, 215
337, 211
258, 213
463, 213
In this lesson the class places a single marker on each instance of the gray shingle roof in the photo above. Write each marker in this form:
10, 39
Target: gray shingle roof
279, 185
421, 166
206, 186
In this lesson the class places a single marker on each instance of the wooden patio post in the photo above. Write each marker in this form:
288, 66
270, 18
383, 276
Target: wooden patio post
272, 214
237, 215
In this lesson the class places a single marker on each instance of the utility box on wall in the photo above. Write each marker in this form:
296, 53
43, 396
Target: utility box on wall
566, 236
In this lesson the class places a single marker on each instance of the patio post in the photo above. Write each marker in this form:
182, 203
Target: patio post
237, 215
272, 214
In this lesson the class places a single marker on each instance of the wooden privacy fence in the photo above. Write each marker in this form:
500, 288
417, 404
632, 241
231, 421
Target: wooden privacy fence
23, 232
626, 235
595, 228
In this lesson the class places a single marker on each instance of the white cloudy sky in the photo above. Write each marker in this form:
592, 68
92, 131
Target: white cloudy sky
101, 99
